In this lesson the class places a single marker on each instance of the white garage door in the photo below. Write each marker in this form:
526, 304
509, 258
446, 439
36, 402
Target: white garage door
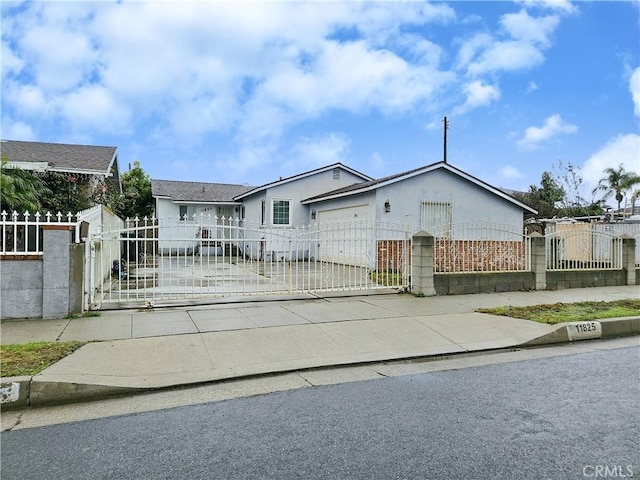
345, 235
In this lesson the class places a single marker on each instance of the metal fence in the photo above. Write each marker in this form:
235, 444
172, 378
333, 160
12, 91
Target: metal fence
481, 247
155, 260
21, 234
580, 247
602, 230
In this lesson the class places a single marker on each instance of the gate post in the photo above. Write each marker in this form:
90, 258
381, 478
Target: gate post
539, 260
629, 258
422, 283
56, 261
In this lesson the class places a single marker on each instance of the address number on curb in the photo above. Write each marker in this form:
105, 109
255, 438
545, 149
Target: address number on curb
584, 330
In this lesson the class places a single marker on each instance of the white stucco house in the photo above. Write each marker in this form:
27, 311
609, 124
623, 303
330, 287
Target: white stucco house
433, 198
279, 203
429, 198
275, 210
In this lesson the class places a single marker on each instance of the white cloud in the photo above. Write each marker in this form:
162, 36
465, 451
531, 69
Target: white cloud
622, 150
509, 172
10, 62
507, 56
94, 107
553, 126
17, 130
319, 151
471, 47
522, 26
634, 88
478, 95
524, 39
173, 73
564, 6
532, 87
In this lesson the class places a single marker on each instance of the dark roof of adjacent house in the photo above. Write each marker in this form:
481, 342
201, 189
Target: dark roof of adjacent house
60, 157
199, 192
374, 184
282, 181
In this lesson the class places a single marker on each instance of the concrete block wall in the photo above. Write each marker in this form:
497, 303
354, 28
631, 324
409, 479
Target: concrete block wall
47, 286
21, 288
424, 281
465, 283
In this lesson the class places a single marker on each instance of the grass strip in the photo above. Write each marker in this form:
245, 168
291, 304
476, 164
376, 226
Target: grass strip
31, 358
569, 312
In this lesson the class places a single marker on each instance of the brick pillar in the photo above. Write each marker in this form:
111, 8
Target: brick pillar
55, 271
629, 258
539, 260
422, 283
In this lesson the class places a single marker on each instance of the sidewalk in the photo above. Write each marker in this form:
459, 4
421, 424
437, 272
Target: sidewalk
171, 347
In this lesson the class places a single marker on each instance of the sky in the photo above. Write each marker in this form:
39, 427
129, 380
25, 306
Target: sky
248, 92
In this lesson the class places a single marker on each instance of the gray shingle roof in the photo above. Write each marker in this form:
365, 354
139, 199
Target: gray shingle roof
62, 157
196, 191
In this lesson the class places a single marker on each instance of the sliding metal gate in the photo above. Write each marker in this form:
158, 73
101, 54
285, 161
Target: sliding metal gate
151, 261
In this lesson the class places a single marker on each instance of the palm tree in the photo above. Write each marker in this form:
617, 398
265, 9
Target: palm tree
617, 181
20, 190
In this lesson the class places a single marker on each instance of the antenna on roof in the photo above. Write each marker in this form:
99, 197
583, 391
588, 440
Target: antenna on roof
446, 127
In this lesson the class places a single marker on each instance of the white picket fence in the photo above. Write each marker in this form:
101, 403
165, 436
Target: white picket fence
21, 234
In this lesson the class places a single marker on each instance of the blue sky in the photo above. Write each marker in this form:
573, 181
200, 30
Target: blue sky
246, 92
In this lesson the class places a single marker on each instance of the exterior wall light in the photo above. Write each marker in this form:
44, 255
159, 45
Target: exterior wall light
387, 206
313, 214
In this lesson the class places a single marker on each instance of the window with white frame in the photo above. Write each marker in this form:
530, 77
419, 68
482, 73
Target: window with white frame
435, 218
187, 212
281, 212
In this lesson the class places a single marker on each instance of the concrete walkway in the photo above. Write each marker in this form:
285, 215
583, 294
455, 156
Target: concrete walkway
162, 348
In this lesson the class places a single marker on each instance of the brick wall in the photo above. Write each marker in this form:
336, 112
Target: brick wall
391, 255
478, 255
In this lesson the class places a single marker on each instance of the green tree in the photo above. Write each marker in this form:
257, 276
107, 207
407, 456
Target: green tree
569, 178
544, 198
20, 190
616, 182
136, 199
69, 192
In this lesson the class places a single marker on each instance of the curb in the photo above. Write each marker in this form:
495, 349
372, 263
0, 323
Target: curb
23, 392
589, 330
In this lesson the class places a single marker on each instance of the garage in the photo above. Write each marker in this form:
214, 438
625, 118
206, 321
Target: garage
345, 236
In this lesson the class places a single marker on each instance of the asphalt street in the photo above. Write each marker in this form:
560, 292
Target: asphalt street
562, 417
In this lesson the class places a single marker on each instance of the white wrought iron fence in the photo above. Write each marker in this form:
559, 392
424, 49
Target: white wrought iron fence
21, 234
580, 247
481, 247
155, 260
612, 229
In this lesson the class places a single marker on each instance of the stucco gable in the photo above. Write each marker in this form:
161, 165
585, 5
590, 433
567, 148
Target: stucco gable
300, 176
399, 177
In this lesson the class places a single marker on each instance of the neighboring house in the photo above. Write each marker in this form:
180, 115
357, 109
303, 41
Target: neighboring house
97, 162
189, 209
